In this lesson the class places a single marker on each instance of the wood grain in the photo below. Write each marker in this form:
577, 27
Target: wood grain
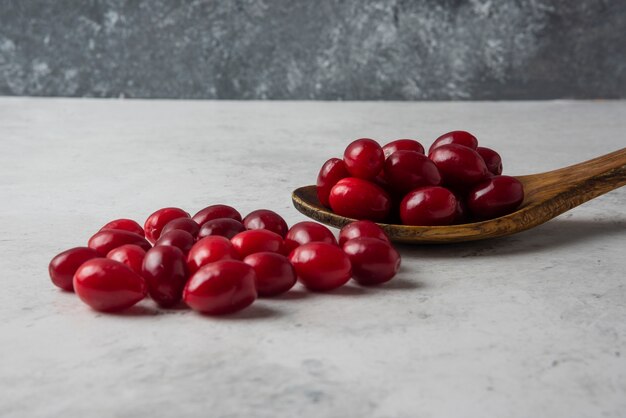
547, 195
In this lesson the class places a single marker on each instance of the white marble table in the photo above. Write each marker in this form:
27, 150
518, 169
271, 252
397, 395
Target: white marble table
531, 325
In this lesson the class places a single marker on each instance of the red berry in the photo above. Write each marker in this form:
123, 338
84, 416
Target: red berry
216, 212
125, 225
266, 219
221, 288
305, 232
182, 224
359, 199
155, 222
461, 214
402, 145
165, 271
108, 285
364, 158
130, 255
373, 261
209, 250
428, 206
274, 273
492, 159
105, 241
225, 227
256, 241
178, 238
463, 138
498, 196
360, 229
408, 170
459, 166
64, 265
331, 172
321, 266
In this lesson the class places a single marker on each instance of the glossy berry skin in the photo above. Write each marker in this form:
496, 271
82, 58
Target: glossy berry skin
402, 145
428, 206
498, 196
408, 170
320, 266
359, 229
216, 212
130, 255
305, 232
373, 261
209, 250
165, 271
256, 241
459, 166
274, 273
125, 225
331, 172
492, 159
108, 286
178, 238
155, 222
359, 199
107, 240
224, 227
266, 219
462, 215
220, 288
182, 224
64, 265
463, 138
364, 158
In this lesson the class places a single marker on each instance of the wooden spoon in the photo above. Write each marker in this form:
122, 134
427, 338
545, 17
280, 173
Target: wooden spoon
547, 195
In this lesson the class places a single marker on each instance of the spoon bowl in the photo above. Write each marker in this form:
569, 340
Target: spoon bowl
546, 195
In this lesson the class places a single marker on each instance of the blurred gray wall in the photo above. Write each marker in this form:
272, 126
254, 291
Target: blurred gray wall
307, 49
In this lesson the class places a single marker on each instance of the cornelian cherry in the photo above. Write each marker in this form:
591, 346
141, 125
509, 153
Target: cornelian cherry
408, 170
331, 172
498, 196
305, 232
360, 229
130, 255
165, 271
216, 212
209, 250
321, 266
364, 158
463, 138
222, 287
256, 241
182, 224
428, 206
373, 261
108, 286
266, 219
178, 238
402, 145
274, 273
64, 265
492, 159
460, 166
105, 241
125, 225
225, 227
359, 199
155, 222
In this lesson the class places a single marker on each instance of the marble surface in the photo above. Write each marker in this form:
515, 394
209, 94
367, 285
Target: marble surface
330, 50
530, 325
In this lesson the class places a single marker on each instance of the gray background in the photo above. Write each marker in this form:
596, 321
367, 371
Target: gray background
282, 49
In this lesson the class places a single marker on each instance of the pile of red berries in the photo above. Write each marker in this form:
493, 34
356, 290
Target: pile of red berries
456, 183
217, 262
